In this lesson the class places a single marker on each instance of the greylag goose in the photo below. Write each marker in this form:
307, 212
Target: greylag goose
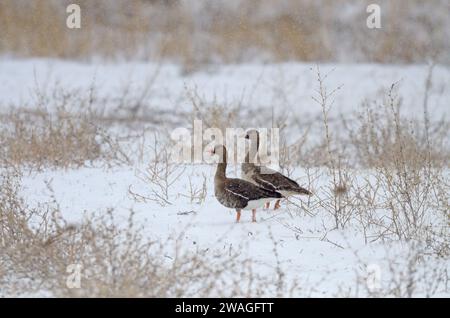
237, 193
269, 179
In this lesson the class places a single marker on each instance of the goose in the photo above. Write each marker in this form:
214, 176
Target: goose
237, 193
270, 179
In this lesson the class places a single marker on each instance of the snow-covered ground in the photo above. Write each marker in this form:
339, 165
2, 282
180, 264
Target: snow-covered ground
258, 85
325, 261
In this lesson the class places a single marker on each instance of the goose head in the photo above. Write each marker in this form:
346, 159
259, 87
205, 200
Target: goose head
252, 135
221, 152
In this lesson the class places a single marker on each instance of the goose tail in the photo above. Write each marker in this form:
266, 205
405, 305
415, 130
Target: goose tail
303, 191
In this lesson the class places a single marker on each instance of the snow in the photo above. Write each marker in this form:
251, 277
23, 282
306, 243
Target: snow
324, 264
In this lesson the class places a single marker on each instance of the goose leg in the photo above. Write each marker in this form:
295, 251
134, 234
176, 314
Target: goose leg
254, 215
267, 205
238, 215
277, 205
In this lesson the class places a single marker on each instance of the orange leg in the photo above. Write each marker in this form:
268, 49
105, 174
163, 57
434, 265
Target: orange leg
254, 215
267, 205
277, 205
238, 215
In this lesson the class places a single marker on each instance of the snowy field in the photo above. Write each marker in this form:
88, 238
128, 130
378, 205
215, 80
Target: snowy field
257, 85
288, 244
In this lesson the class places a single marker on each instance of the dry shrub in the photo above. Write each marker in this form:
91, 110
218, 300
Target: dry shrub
160, 174
33, 28
215, 114
382, 136
407, 191
41, 139
336, 201
37, 249
63, 130
38, 139
231, 113
402, 191
38, 28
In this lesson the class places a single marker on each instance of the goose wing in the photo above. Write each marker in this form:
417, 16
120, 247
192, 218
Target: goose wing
243, 189
277, 182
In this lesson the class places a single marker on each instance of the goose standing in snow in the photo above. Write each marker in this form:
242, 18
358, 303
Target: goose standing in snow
268, 178
237, 193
